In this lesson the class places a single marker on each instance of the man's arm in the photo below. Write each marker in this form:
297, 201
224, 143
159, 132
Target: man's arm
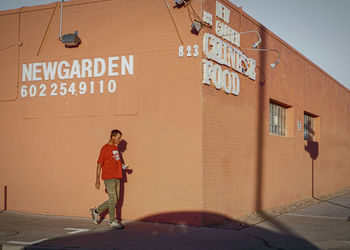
98, 174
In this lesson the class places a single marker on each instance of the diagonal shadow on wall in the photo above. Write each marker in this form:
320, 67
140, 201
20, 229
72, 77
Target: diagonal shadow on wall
262, 67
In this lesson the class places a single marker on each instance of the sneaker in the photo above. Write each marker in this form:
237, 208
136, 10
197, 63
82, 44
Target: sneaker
116, 225
94, 215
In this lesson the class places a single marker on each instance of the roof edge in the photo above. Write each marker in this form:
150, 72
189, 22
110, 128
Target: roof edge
261, 26
232, 6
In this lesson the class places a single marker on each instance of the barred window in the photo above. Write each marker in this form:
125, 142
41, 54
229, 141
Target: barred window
309, 131
277, 119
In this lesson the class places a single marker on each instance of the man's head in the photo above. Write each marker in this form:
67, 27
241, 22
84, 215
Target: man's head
116, 136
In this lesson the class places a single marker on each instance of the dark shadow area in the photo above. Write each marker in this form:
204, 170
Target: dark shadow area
143, 235
5, 199
194, 31
179, 4
260, 126
122, 146
196, 219
262, 131
312, 148
260, 140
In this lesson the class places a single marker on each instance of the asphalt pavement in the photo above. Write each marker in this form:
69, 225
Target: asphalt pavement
322, 226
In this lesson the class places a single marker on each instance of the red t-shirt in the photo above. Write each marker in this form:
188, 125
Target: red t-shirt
111, 163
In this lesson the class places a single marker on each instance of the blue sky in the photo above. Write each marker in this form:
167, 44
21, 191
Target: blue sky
316, 28
14, 4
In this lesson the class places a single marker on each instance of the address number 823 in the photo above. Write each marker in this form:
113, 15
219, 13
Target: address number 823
188, 51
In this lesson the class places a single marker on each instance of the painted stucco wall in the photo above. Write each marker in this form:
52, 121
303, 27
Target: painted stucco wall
50, 144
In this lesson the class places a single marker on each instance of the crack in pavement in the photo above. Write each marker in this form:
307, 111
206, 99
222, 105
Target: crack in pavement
264, 241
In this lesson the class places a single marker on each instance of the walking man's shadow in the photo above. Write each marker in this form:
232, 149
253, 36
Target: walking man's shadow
122, 146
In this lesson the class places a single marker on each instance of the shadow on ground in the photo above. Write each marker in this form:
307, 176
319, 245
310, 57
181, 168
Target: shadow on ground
225, 234
331, 202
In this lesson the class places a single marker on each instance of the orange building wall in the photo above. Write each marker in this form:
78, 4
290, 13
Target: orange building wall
191, 148
244, 167
50, 145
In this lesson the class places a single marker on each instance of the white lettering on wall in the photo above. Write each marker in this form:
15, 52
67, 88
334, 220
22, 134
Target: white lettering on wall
75, 72
222, 12
129, 66
222, 79
63, 73
223, 53
86, 65
49, 70
112, 65
227, 33
84, 68
207, 18
99, 63
36, 71
27, 72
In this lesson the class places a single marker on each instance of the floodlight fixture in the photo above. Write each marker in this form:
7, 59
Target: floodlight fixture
180, 3
196, 26
71, 40
273, 65
256, 44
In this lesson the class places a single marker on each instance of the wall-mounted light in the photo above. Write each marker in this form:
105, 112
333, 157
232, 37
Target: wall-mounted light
256, 44
273, 65
180, 3
196, 26
71, 40
197, 23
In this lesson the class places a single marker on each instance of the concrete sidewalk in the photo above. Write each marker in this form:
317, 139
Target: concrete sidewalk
322, 226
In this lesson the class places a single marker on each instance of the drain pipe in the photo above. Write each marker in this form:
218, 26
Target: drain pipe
60, 36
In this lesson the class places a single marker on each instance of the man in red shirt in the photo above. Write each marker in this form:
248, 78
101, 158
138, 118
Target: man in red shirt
110, 163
